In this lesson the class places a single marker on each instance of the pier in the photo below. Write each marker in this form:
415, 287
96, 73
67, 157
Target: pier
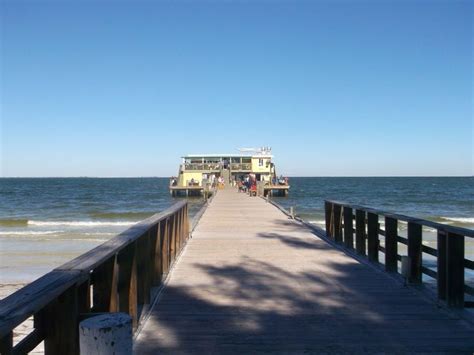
246, 277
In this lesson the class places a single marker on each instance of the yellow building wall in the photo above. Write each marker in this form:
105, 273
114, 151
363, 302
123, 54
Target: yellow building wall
187, 176
265, 168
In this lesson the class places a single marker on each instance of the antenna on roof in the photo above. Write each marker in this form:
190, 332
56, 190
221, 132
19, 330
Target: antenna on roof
257, 151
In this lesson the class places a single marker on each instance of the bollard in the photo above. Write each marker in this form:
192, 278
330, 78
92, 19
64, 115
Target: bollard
109, 333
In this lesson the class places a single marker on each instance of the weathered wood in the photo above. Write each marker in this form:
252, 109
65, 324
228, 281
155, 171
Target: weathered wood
337, 223
165, 247
360, 232
414, 252
373, 237
59, 323
328, 218
441, 265
84, 297
91, 259
143, 262
6, 343
127, 288
158, 262
104, 281
391, 245
254, 281
29, 343
30, 299
348, 228
438, 226
455, 270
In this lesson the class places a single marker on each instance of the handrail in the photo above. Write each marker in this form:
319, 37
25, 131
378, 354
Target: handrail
449, 254
118, 276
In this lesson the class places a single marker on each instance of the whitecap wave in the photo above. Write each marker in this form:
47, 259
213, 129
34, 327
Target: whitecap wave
81, 223
460, 219
29, 232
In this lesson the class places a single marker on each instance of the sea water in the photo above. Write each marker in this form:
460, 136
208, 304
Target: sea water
45, 222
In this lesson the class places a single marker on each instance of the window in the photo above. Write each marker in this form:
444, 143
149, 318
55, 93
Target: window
260, 162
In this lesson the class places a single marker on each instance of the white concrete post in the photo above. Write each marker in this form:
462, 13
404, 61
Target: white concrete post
109, 333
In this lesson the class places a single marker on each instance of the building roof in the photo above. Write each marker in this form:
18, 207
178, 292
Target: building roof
228, 156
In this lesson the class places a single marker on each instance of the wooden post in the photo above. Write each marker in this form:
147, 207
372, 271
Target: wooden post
84, 297
348, 228
172, 232
127, 282
391, 244
373, 237
360, 232
441, 265
337, 223
6, 344
414, 252
104, 281
165, 247
157, 263
59, 321
327, 215
143, 287
455, 270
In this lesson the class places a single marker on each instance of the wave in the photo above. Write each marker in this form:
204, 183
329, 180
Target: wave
468, 220
319, 221
29, 232
81, 223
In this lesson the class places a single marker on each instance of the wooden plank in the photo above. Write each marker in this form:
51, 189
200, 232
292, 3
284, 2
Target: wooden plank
104, 281
360, 232
127, 283
372, 237
348, 228
29, 343
414, 252
391, 245
254, 281
328, 218
441, 265
59, 324
337, 223
6, 343
455, 270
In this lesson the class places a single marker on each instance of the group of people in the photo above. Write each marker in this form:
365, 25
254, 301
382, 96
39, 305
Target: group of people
247, 184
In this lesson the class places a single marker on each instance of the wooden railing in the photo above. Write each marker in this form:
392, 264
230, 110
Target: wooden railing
450, 252
121, 275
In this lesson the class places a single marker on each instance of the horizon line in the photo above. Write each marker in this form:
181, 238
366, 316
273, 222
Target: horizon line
289, 176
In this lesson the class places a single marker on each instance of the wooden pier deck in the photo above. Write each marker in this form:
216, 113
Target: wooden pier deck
252, 280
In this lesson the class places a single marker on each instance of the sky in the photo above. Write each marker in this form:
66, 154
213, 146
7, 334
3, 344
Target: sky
336, 88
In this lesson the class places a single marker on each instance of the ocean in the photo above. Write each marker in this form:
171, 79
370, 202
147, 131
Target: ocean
45, 222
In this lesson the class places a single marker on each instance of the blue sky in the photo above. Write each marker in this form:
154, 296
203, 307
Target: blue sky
336, 88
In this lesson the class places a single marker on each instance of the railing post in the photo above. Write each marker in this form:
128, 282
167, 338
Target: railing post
60, 322
328, 215
455, 270
441, 265
373, 237
348, 228
360, 232
391, 244
337, 223
6, 344
104, 281
414, 252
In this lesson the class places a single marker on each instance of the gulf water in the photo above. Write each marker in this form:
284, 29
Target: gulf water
45, 222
